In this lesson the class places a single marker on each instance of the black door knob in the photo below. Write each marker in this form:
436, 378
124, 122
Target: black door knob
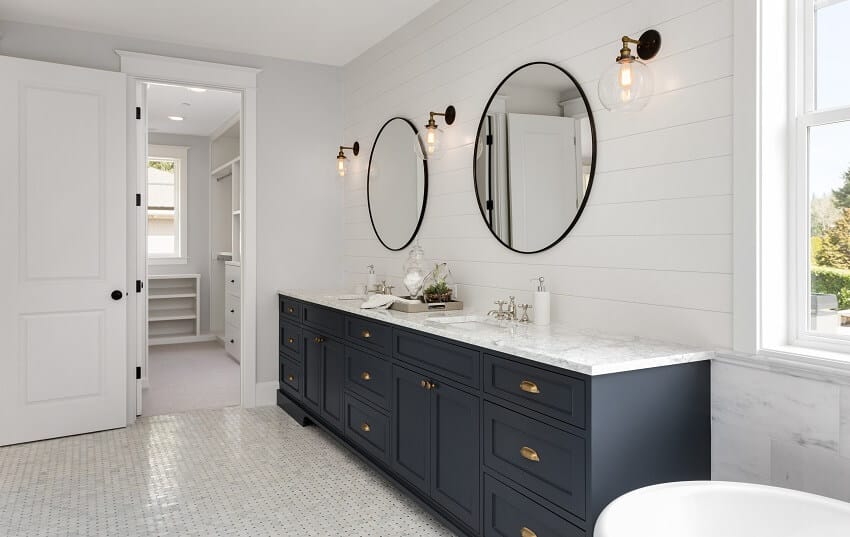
117, 295
232, 341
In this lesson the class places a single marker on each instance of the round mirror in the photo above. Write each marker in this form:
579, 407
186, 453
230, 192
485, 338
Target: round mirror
535, 156
397, 184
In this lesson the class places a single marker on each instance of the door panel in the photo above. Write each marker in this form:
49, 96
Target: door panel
455, 452
63, 229
410, 430
312, 370
333, 379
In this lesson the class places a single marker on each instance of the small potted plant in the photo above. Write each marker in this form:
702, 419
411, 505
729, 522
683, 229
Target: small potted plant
439, 290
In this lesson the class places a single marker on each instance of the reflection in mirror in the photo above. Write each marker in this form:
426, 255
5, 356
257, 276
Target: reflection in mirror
535, 157
397, 184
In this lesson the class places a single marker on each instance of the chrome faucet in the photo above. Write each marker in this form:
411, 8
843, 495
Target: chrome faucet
501, 314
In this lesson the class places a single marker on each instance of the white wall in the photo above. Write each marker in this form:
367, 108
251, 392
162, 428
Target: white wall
298, 130
198, 218
652, 253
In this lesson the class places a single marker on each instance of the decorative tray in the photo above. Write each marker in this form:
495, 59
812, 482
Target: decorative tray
422, 307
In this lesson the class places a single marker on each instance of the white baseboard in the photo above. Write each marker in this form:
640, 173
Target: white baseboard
180, 339
267, 393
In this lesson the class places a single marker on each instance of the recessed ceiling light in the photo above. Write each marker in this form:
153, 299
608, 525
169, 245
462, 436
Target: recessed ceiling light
197, 90
175, 118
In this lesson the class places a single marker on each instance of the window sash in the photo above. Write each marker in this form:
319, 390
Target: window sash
179, 155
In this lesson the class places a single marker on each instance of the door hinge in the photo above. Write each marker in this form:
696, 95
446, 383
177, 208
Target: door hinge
138, 112
489, 139
138, 372
139, 286
489, 205
138, 200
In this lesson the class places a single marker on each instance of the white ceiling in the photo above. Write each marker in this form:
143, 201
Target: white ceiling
322, 31
202, 113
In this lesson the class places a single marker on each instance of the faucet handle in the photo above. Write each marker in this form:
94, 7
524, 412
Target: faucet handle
525, 308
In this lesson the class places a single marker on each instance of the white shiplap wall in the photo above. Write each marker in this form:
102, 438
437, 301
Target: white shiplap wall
652, 253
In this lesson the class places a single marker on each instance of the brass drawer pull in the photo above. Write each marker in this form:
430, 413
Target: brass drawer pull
365, 427
525, 532
291, 378
366, 334
428, 385
290, 340
319, 339
365, 375
528, 453
528, 386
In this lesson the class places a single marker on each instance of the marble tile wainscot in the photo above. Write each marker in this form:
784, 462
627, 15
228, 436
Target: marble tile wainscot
496, 429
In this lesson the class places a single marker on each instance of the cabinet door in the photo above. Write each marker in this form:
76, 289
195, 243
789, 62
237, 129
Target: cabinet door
333, 379
312, 348
455, 452
410, 431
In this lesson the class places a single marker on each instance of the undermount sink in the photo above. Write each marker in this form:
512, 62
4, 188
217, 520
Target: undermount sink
457, 319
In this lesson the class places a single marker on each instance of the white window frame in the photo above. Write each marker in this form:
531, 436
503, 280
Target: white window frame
802, 100
180, 154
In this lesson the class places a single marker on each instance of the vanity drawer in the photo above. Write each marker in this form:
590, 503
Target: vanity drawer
290, 378
546, 460
231, 342
507, 513
290, 338
368, 376
369, 334
290, 309
232, 280
329, 321
452, 361
231, 310
559, 396
367, 427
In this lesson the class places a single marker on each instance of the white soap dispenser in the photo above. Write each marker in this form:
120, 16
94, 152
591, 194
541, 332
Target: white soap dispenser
541, 302
371, 279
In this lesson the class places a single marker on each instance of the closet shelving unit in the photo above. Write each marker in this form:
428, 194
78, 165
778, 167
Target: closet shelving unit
174, 305
225, 230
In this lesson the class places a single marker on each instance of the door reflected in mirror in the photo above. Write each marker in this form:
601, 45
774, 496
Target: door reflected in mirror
535, 155
397, 184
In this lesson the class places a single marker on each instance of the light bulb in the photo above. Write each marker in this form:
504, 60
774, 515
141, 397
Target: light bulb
429, 144
626, 85
341, 166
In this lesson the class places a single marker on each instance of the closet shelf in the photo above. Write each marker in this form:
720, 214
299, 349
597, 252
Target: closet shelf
172, 292
225, 169
171, 315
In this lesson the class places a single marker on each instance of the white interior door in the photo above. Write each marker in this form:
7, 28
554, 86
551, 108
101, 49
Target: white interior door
63, 369
543, 164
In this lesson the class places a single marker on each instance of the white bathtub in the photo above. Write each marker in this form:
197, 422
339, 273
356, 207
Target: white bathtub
722, 509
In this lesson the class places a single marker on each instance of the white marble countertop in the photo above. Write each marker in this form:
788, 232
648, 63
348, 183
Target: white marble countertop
559, 345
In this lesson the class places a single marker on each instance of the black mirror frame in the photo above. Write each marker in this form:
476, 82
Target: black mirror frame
592, 160
369, 179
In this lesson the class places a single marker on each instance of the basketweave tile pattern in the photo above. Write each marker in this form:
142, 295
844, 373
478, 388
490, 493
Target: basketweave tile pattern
229, 472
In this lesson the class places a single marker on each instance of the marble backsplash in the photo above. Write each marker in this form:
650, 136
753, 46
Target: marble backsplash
780, 428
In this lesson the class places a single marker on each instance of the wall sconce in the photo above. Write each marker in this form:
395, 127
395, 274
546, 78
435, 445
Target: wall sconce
430, 139
628, 84
342, 160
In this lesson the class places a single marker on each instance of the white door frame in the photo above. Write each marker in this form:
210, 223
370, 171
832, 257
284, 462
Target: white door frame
140, 67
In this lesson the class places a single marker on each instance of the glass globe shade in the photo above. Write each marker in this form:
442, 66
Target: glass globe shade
626, 86
429, 142
341, 166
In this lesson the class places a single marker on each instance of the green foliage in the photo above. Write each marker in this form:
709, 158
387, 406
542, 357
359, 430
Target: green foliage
438, 288
815, 245
842, 195
823, 213
164, 165
832, 281
835, 248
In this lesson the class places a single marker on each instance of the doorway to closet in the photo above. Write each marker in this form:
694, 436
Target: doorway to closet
192, 247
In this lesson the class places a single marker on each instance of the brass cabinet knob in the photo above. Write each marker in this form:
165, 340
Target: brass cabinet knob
528, 453
528, 386
423, 383
365, 375
525, 532
428, 385
291, 378
365, 427
290, 309
290, 340
366, 334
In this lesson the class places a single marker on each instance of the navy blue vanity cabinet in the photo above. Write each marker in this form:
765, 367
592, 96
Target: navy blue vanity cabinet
494, 445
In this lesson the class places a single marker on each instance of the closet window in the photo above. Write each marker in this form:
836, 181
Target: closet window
822, 172
166, 204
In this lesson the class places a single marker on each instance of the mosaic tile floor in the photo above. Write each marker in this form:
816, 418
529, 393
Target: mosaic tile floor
229, 472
